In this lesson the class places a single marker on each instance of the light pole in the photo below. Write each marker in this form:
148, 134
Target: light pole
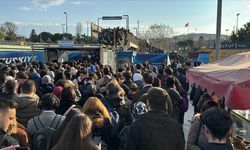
98, 28
98, 23
138, 28
66, 15
218, 30
127, 21
136, 31
237, 22
127, 28
87, 28
63, 29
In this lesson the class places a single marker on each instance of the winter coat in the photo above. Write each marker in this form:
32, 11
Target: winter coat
196, 135
176, 101
27, 108
155, 131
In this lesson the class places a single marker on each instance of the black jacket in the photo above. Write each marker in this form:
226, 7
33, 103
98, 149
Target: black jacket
176, 102
64, 106
9, 96
6, 140
141, 92
155, 131
217, 146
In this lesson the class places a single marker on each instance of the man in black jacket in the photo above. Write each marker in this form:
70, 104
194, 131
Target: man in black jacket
218, 124
149, 80
7, 120
156, 130
175, 98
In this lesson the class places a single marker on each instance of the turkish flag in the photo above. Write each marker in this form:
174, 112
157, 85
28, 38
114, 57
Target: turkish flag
187, 24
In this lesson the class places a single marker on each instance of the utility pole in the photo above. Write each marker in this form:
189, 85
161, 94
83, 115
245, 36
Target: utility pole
87, 28
138, 28
63, 31
66, 15
237, 22
218, 30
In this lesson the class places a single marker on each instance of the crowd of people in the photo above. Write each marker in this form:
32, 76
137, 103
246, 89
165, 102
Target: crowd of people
71, 106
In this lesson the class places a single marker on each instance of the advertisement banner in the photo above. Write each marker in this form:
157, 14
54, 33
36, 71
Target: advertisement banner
153, 59
23, 56
75, 56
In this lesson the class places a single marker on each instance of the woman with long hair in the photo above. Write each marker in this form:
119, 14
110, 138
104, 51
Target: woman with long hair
77, 135
100, 117
73, 112
94, 106
68, 98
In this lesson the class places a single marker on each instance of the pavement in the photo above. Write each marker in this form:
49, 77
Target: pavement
188, 116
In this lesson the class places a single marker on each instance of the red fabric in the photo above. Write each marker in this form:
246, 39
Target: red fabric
58, 91
229, 78
187, 24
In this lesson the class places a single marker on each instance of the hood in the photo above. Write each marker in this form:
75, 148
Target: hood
155, 119
24, 101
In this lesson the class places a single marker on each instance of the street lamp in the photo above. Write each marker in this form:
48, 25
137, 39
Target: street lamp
237, 21
218, 30
127, 21
66, 15
63, 30
136, 31
98, 23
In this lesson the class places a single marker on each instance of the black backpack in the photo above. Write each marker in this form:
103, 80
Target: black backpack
43, 137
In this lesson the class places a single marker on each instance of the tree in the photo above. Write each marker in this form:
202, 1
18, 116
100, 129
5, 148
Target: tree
56, 37
159, 35
33, 36
78, 28
1, 32
10, 30
68, 36
46, 37
243, 34
79, 33
186, 45
201, 38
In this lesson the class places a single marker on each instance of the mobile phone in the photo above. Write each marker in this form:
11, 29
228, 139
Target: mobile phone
22, 148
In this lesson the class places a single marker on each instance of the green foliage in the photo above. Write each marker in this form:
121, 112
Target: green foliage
188, 44
243, 34
33, 36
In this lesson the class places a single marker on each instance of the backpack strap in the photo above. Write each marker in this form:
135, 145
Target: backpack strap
37, 122
69, 109
56, 121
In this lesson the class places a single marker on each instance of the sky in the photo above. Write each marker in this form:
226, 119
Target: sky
48, 15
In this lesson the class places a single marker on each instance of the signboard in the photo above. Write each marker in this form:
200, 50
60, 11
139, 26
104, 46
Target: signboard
23, 56
66, 44
112, 18
241, 45
153, 59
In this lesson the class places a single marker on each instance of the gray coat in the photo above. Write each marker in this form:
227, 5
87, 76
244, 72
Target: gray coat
46, 118
196, 130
